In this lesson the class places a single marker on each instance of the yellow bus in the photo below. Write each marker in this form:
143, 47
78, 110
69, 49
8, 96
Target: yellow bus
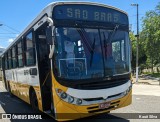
72, 61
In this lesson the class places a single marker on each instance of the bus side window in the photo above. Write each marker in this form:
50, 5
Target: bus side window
14, 59
0, 63
116, 51
29, 50
9, 59
6, 62
20, 54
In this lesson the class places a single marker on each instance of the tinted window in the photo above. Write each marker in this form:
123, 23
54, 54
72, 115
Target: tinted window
14, 59
6, 61
0, 62
30, 51
20, 54
9, 59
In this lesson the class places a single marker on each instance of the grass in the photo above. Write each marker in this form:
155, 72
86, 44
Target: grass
146, 73
156, 75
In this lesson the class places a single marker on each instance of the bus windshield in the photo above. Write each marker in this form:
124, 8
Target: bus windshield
83, 53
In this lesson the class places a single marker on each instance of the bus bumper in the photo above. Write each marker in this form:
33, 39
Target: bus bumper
66, 111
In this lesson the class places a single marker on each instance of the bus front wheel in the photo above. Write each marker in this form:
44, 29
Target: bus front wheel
9, 90
34, 101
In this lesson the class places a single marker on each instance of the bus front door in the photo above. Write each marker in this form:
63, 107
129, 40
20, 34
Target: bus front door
44, 68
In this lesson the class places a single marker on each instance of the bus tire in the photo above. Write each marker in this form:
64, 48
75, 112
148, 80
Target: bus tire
34, 101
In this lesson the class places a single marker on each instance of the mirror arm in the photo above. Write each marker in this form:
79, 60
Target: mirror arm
50, 21
51, 51
51, 46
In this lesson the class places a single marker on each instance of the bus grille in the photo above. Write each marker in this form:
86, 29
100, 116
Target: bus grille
101, 98
101, 84
95, 109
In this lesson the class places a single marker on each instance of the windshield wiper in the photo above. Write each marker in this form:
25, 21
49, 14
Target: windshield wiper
85, 39
93, 46
104, 41
111, 35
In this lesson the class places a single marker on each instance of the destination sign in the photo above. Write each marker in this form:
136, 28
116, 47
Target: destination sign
89, 13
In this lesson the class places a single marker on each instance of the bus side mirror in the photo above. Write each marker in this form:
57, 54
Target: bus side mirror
49, 35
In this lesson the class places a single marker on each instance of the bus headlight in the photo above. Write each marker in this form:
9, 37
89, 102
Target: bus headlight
79, 101
127, 91
124, 93
68, 98
63, 95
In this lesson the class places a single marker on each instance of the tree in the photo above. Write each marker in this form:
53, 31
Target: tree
150, 36
133, 42
142, 56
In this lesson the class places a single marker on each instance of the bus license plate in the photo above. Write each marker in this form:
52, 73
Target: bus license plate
104, 105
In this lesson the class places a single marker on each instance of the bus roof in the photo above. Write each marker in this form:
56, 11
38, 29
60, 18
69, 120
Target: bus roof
48, 10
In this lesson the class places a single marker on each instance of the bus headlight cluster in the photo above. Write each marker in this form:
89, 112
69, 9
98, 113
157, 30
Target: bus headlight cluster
70, 99
127, 91
63, 95
67, 98
79, 101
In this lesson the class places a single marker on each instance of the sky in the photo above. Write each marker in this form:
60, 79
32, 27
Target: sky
15, 15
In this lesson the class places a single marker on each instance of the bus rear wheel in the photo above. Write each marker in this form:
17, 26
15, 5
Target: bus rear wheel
34, 101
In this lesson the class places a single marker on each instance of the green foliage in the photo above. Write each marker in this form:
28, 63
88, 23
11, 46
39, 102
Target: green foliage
133, 42
141, 51
149, 41
116, 50
156, 75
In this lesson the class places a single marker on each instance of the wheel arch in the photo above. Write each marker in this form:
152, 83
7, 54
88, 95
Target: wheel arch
31, 89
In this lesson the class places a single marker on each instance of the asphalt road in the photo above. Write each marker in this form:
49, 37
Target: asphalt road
145, 102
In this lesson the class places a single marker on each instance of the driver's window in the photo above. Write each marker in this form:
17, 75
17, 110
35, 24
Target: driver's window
116, 51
